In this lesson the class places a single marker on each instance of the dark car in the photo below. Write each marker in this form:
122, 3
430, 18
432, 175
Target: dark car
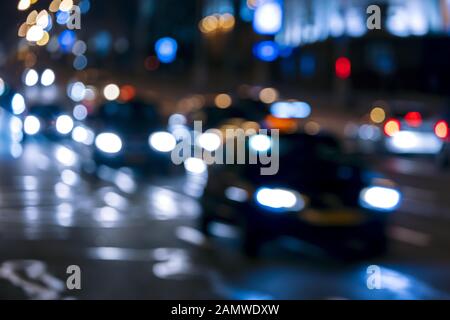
48, 120
6, 98
128, 134
403, 127
242, 111
317, 196
244, 114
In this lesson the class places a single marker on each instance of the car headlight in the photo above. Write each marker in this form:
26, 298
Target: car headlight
64, 124
280, 199
83, 135
380, 198
260, 143
31, 125
209, 141
108, 143
162, 141
195, 166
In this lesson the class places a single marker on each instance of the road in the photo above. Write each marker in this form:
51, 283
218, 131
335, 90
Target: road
137, 239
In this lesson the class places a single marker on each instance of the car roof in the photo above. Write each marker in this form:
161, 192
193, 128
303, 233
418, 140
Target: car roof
50, 109
129, 116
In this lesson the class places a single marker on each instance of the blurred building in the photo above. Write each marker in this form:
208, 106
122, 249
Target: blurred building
307, 21
268, 42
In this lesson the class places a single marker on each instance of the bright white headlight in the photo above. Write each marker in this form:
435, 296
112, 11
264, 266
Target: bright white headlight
209, 141
47, 78
280, 199
163, 141
31, 78
108, 143
195, 165
18, 104
414, 142
83, 135
380, 198
66, 156
32, 125
15, 124
260, 143
64, 124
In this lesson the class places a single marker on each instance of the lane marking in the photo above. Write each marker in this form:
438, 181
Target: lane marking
409, 236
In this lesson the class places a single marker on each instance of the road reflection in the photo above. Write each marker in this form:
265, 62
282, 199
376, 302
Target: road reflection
117, 224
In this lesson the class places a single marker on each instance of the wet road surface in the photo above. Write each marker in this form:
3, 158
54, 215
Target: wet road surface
137, 239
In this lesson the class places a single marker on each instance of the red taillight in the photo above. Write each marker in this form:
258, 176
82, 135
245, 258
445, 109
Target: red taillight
391, 127
441, 129
127, 93
413, 119
343, 68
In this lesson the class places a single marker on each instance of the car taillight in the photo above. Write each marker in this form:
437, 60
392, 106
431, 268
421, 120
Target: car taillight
391, 127
441, 129
413, 119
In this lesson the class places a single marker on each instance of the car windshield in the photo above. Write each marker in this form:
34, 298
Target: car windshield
49, 111
297, 147
214, 117
128, 116
308, 163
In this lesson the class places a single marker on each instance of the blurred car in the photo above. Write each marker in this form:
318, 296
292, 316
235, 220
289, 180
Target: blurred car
244, 114
318, 196
50, 121
411, 134
249, 114
404, 127
125, 134
236, 115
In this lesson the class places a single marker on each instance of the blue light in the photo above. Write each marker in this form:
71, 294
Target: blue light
385, 65
166, 49
268, 17
356, 25
238, 294
85, 6
307, 65
266, 51
285, 51
62, 17
66, 40
290, 110
80, 62
245, 12
397, 22
102, 42
382, 59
